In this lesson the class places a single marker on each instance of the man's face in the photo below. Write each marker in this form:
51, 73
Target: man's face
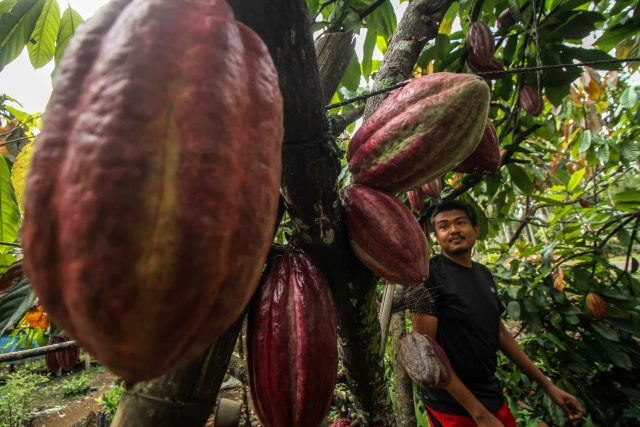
454, 232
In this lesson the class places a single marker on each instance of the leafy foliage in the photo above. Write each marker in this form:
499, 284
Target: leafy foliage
17, 396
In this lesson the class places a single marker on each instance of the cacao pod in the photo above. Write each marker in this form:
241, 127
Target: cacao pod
292, 353
51, 359
480, 42
154, 186
596, 305
342, 423
505, 20
416, 199
385, 236
424, 361
486, 156
530, 100
495, 67
420, 132
433, 188
583, 202
558, 279
68, 358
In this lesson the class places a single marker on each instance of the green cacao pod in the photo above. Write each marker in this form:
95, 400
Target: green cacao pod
385, 236
292, 349
530, 100
420, 132
596, 305
153, 191
424, 361
486, 156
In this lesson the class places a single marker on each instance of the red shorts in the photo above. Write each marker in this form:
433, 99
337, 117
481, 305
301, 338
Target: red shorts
440, 419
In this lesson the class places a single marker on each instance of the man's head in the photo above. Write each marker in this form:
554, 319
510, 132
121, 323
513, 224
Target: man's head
455, 226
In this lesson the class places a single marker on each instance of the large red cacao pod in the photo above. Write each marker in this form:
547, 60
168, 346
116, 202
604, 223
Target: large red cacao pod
596, 305
68, 358
486, 156
416, 199
385, 236
292, 354
51, 359
153, 191
530, 100
480, 42
424, 361
433, 188
342, 423
420, 132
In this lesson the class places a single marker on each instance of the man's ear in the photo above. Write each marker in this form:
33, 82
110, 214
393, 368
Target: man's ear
477, 230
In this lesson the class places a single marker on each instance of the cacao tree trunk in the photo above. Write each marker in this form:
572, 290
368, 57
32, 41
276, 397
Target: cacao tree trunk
405, 409
184, 397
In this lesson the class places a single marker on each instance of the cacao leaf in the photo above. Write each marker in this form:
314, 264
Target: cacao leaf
605, 331
383, 19
19, 173
513, 310
614, 35
351, 78
367, 52
42, 43
576, 177
449, 17
15, 304
6, 5
69, 23
9, 212
16, 27
520, 178
617, 355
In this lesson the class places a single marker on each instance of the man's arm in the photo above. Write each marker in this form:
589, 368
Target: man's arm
427, 324
569, 404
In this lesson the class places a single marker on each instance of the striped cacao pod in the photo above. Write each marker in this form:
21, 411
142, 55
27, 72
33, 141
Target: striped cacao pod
68, 358
596, 305
486, 156
385, 236
480, 42
433, 188
420, 132
424, 361
51, 359
154, 186
493, 66
292, 353
530, 100
416, 199
342, 423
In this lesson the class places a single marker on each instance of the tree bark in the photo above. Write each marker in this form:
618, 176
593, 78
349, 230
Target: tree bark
333, 52
418, 25
405, 406
184, 397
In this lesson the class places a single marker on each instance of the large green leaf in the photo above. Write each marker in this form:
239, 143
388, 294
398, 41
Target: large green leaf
16, 27
15, 304
614, 35
605, 331
6, 5
383, 19
367, 51
351, 78
520, 178
9, 213
43, 38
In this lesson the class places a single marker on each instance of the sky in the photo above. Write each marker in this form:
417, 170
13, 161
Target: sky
30, 87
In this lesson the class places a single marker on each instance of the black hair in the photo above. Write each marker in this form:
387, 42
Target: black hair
450, 205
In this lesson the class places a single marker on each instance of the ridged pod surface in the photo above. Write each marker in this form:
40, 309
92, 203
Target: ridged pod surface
530, 100
51, 359
420, 132
68, 358
292, 355
416, 199
153, 191
433, 188
480, 42
486, 156
385, 236
596, 305
424, 361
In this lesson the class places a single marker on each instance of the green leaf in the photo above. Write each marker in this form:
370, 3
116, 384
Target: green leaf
351, 78
576, 177
43, 37
69, 24
449, 18
312, 7
630, 151
9, 213
16, 27
605, 331
585, 141
19, 172
627, 196
586, 55
383, 19
520, 178
513, 310
614, 35
15, 304
629, 97
367, 51
617, 355
6, 5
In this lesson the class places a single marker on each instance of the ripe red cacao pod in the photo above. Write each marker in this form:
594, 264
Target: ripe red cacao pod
530, 100
342, 423
154, 186
433, 188
596, 305
424, 361
494, 66
68, 358
486, 156
420, 132
385, 236
480, 42
504, 20
292, 355
583, 202
416, 199
51, 359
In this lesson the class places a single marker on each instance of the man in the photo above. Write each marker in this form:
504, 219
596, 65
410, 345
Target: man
463, 316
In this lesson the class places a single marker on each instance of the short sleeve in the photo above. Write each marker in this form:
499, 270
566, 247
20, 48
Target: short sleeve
427, 301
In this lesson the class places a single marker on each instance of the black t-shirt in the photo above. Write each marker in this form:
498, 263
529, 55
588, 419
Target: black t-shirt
468, 311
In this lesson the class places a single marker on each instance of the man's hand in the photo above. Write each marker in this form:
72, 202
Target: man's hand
572, 408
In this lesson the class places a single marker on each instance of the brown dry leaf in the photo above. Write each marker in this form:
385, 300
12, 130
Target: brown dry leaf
37, 318
558, 279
